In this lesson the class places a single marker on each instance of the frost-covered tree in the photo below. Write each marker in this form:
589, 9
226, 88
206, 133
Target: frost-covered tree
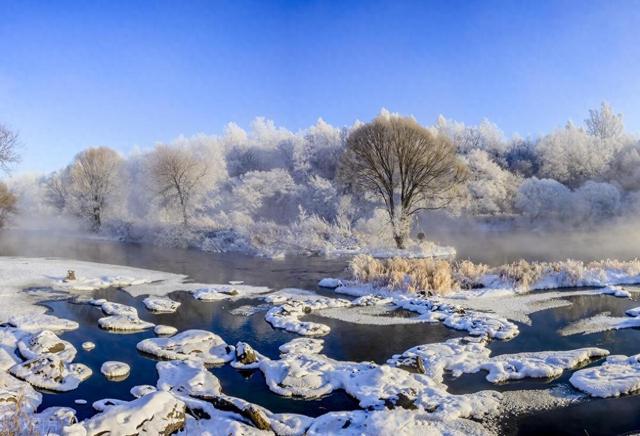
491, 189
179, 177
265, 195
604, 123
57, 189
94, 177
572, 157
485, 136
404, 165
522, 158
8, 147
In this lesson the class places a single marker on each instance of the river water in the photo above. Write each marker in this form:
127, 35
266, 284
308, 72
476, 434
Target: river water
347, 341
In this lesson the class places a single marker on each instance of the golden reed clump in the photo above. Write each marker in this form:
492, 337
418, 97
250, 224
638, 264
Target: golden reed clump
439, 277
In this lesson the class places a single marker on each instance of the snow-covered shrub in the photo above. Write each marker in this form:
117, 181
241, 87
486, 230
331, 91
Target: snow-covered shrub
597, 201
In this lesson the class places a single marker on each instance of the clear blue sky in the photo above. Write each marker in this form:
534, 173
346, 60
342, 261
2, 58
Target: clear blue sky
127, 73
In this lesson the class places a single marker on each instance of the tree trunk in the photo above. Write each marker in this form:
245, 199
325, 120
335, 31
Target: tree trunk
97, 222
400, 240
401, 230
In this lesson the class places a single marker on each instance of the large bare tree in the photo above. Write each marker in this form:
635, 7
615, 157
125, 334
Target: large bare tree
178, 175
94, 177
8, 147
404, 165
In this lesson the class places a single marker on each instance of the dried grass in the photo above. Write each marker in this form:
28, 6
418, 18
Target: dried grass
440, 277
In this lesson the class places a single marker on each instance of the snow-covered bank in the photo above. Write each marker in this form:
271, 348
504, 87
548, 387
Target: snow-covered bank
49, 277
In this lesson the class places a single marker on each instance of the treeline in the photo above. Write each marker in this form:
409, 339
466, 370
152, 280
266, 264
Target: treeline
270, 187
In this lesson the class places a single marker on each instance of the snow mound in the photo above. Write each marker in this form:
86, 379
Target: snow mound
191, 344
165, 330
51, 372
38, 322
618, 375
459, 355
453, 316
111, 308
142, 390
296, 303
158, 413
302, 346
44, 343
113, 369
469, 355
161, 304
315, 375
187, 377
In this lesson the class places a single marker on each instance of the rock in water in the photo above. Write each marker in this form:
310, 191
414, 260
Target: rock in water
245, 354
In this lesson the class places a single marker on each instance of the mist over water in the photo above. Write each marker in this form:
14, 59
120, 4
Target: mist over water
499, 245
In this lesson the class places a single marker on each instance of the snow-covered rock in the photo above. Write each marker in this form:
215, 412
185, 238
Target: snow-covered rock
124, 323
51, 372
158, 413
330, 283
616, 291
190, 344
113, 369
165, 330
158, 304
111, 308
88, 345
618, 375
142, 390
46, 342
221, 292
459, 355
302, 346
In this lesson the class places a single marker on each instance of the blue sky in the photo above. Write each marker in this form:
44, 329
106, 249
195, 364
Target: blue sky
131, 73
